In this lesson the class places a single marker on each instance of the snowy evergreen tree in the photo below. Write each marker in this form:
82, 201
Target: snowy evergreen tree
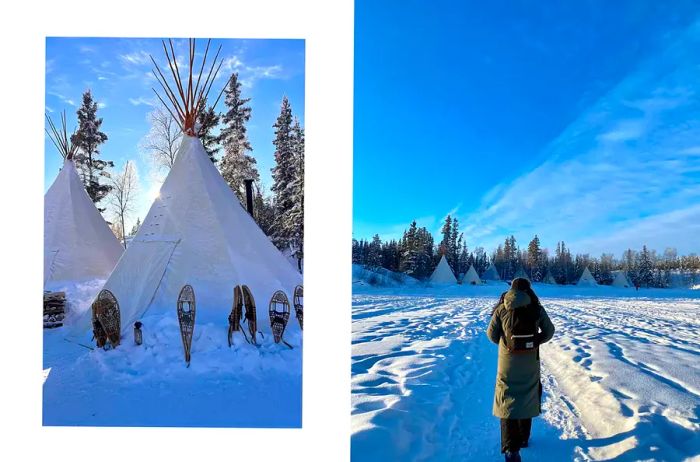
534, 260
374, 253
283, 174
207, 120
236, 164
607, 263
645, 274
88, 138
630, 266
264, 212
446, 242
136, 227
295, 219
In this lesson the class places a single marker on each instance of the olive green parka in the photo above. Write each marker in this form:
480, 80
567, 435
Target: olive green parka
518, 389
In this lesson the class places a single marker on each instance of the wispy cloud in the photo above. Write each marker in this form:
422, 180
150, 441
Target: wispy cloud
142, 101
138, 58
64, 99
626, 172
248, 74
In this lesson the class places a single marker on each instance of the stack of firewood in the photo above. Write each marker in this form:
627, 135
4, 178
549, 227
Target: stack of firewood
54, 309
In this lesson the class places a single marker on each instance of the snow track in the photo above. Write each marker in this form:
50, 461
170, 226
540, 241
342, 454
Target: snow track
621, 379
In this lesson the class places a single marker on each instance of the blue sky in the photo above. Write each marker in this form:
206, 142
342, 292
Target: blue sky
118, 71
574, 120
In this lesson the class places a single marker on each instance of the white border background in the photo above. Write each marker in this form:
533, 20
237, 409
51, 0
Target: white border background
328, 30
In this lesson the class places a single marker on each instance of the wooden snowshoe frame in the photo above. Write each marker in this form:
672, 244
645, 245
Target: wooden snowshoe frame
234, 319
299, 305
250, 315
279, 314
106, 319
186, 309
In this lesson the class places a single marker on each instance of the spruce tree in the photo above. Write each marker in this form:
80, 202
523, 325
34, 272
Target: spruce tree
534, 259
374, 256
236, 165
295, 218
207, 120
645, 274
88, 138
283, 174
264, 212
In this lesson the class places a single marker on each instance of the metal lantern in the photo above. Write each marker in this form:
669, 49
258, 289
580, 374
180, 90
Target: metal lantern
138, 335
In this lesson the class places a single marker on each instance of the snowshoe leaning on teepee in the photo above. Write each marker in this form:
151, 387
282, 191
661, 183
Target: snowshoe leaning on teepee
198, 233
78, 244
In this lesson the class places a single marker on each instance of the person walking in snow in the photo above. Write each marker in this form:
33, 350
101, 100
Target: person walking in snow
519, 325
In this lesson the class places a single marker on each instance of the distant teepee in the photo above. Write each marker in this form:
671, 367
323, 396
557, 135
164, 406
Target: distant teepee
491, 274
78, 244
586, 279
621, 280
443, 274
548, 278
471, 277
197, 233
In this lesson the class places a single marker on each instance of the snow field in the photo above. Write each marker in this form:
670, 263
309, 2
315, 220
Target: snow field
620, 377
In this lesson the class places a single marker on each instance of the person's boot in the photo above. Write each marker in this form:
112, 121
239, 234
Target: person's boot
513, 456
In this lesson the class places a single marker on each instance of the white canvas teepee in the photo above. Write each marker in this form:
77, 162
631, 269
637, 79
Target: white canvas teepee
491, 274
621, 280
549, 279
78, 244
198, 233
586, 279
443, 274
471, 277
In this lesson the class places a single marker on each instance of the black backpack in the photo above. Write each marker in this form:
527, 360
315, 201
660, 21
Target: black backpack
520, 328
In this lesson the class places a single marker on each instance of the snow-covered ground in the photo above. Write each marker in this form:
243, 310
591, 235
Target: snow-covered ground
621, 376
150, 385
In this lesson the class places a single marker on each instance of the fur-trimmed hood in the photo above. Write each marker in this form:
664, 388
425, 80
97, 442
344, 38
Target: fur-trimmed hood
515, 298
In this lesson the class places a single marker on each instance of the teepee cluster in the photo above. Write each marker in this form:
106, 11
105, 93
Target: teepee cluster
197, 234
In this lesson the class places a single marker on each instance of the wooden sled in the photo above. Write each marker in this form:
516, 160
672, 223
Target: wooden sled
186, 308
106, 319
279, 315
299, 305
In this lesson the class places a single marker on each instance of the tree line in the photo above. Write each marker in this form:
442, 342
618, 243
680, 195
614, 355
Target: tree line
279, 213
417, 254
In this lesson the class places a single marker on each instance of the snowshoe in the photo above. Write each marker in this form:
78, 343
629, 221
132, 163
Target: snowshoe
186, 309
234, 319
106, 319
279, 315
299, 305
250, 315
